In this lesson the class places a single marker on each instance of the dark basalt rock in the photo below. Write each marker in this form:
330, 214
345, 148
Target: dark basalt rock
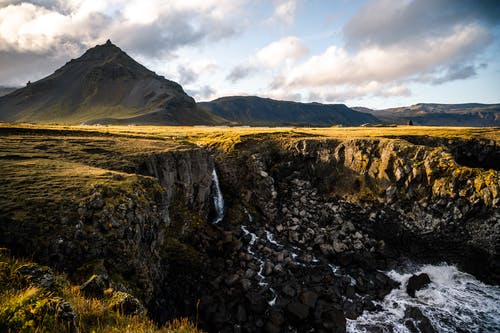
417, 282
297, 312
417, 322
94, 286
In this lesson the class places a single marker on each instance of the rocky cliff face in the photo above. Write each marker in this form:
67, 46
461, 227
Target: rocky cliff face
120, 233
309, 226
419, 192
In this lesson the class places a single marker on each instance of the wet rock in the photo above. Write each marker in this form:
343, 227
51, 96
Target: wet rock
334, 321
417, 282
268, 268
417, 322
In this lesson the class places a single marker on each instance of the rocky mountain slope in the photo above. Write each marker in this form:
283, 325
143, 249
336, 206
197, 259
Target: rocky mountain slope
103, 86
312, 220
472, 114
256, 111
6, 90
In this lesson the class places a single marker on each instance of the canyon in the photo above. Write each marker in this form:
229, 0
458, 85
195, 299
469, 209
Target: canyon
251, 230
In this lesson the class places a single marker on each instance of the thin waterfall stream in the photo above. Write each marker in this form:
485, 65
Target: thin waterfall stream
218, 198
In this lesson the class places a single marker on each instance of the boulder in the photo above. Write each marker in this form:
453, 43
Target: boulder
417, 282
126, 304
297, 312
35, 274
417, 322
94, 286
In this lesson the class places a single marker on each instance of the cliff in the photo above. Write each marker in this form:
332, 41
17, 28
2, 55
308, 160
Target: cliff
312, 218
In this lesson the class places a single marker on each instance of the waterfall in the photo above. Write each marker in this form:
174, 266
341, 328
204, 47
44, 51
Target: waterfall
218, 199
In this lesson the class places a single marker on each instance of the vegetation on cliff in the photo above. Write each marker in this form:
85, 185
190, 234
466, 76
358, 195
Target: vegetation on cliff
35, 299
126, 209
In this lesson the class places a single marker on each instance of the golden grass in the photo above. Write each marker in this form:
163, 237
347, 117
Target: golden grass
209, 134
31, 308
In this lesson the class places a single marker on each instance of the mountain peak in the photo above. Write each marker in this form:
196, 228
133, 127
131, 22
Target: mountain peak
102, 52
104, 85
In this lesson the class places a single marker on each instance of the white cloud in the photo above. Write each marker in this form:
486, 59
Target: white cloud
190, 72
284, 12
284, 50
336, 66
151, 27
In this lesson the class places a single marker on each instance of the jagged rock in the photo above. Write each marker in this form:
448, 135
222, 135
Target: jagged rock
94, 286
36, 275
417, 282
126, 304
339, 247
268, 268
417, 322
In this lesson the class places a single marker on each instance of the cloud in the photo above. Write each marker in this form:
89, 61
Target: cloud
186, 75
283, 52
18, 68
286, 49
339, 94
385, 22
336, 66
202, 93
189, 72
48, 30
240, 72
457, 72
284, 12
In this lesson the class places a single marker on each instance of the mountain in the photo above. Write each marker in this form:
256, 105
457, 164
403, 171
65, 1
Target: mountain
6, 90
470, 114
104, 86
256, 111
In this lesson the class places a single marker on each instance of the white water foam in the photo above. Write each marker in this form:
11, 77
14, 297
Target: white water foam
218, 199
270, 239
453, 302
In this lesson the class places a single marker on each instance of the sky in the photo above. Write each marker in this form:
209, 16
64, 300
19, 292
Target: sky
372, 53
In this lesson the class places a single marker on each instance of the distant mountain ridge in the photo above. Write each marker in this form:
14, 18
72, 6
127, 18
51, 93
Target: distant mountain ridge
257, 111
434, 114
104, 85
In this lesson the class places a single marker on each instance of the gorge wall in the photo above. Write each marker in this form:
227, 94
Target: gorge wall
310, 225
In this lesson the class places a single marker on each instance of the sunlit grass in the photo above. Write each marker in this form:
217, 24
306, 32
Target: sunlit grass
30, 308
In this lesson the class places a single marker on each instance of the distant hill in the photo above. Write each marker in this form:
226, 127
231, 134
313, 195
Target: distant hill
6, 90
104, 86
470, 114
256, 111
